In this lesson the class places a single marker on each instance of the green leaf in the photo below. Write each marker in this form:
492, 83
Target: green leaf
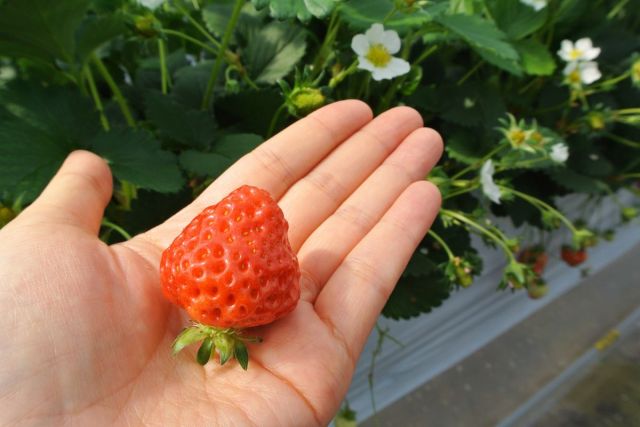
273, 51
135, 156
301, 9
204, 352
414, 295
204, 164
216, 16
193, 128
535, 58
187, 337
94, 32
39, 127
517, 19
488, 41
227, 150
40, 29
241, 354
576, 182
361, 14
190, 83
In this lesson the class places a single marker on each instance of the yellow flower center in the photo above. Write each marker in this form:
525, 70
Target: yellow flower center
378, 55
516, 136
574, 77
575, 54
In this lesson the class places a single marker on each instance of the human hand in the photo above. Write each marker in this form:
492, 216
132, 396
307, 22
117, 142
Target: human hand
86, 332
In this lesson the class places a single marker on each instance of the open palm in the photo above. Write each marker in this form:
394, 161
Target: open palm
86, 333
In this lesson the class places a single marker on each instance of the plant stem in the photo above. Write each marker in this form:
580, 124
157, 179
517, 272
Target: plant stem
96, 97
332, 31
542, 206
469, 73
198, 27
622, 140
460, 192
626, 111
274, 120
335, 81
424, 55
441, 242
190, 39
105, 222
464, 219
115, 90
480, 162
164, 71
235, 14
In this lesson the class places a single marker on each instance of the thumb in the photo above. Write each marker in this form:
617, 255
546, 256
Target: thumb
78, 193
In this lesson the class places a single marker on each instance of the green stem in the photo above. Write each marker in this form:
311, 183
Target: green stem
115, 90
335, 81
190, 39
629, 176
616, 9
116, 227
198, 27
164, 71
235, 14
460, 192
332, 31
441, 242
469, 73
480, 162
96, 98
464, 219
626, 111
622, 140
274, 120
427, 53
542, 206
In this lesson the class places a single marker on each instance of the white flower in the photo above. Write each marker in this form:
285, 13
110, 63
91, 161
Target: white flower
559, 152
536, 4
151, 4
489, 188
579, 73
582, 50
375, 49
7, 72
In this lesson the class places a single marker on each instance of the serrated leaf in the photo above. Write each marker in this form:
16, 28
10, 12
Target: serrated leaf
535, 58
135, 156
190, 83
273, 51
39, 127
216, 16
236, 145
40, 29
415, 295
487, 40
517, 19
193, 128
94, 32
419, 265
204, 352
241, 354
301, 9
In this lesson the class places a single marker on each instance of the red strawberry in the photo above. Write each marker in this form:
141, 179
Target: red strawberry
535, 257
231, 268
573, 256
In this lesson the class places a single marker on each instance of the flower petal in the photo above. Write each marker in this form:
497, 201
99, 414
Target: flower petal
570, 68
391, 41
375, 34
591, 54
589, 72
360, 44
365, 64
584, 44
566, 46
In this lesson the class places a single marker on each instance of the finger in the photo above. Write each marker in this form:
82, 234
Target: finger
410, 162
279, 162
312, 199
352, 299
78, 193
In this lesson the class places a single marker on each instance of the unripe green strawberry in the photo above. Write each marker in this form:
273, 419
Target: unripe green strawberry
231, 268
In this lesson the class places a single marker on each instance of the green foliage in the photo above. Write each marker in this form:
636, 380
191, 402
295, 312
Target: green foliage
87, 74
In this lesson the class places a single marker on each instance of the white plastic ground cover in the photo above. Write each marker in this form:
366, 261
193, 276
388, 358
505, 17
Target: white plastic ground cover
473, 317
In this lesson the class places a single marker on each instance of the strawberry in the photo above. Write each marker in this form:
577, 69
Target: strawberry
535, 257
573, 256
231, 268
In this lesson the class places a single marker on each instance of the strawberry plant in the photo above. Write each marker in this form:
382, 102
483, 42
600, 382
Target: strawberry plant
535, 99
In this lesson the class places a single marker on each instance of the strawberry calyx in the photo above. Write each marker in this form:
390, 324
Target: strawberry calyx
228, 342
